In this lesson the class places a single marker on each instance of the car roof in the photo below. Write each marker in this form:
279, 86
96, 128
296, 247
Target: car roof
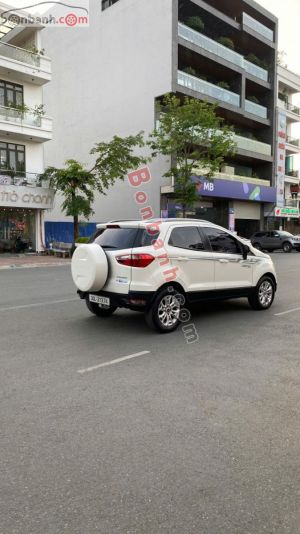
135, 223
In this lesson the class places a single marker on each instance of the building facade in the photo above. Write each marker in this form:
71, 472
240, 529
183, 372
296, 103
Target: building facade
109, 79
288, 152
24, 128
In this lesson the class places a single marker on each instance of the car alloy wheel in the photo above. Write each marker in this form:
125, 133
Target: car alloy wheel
257, 246
164, 313
265, 294
287, 247
168, 311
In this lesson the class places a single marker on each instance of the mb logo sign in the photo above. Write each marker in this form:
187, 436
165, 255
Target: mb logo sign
208, 186
204, 186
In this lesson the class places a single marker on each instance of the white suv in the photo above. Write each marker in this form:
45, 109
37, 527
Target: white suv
157, 266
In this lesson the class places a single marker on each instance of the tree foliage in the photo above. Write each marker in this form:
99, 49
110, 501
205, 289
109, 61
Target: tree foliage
195, 139
115, 158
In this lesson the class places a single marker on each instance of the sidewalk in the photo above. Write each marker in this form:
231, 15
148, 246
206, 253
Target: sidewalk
22, 261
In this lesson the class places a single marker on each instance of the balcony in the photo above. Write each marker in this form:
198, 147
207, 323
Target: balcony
293, 141
289, 107
259, 28
256, 71
251, 145
27, 66
208, 89
221, 51
21, 179
256, 109
26, 125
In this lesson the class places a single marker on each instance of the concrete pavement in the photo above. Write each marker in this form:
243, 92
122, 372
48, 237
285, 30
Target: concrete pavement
185, 439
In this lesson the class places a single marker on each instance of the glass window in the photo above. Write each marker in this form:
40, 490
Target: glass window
222, 242
12, 157
10, 94
187, 237
117, 238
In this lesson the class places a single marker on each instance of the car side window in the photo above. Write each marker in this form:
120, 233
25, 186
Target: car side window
222, 242
187, 237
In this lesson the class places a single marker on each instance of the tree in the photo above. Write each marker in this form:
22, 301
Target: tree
116, 158
195, 139
281, 58
78, 185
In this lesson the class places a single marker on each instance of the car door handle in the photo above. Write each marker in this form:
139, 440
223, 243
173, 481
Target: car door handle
222, 260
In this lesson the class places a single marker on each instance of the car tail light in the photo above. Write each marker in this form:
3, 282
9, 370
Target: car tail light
135, 260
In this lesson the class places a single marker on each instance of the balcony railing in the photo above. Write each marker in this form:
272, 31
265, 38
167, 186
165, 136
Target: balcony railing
291, 203
257, 71
210, 45
19, 54
293, 141
258, 27
288, 106
293, 174
208, 89
14, 115
221, 51
244, 143
256, 109
21, 178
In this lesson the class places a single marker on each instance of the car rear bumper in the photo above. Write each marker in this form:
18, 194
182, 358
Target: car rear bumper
129, 300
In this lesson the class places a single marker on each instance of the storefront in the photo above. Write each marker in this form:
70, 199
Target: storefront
238, 206
22, 217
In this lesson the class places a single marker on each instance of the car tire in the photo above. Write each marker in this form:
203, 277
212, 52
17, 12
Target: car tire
257, 246
164, 312
263, 294
287, 247
97, 310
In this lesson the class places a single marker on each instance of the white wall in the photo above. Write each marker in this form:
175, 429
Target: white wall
105, 79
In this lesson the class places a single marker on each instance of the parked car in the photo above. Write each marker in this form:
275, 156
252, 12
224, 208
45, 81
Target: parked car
275, 240
159, 266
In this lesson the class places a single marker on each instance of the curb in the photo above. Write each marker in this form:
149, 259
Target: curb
31, 265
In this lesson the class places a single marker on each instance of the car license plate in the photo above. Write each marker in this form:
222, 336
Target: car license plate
102, 301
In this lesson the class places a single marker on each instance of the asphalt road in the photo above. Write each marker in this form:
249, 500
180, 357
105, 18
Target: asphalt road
201, 438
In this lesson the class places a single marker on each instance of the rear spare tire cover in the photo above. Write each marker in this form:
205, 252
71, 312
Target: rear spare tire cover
89, 267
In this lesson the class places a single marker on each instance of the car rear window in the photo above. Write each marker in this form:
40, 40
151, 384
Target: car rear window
122, 238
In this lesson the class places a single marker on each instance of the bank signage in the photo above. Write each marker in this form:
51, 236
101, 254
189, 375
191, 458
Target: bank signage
292, 213
26, 197
234, 189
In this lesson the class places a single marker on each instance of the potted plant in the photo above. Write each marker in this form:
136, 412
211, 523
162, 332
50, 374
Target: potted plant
196, 23
224, 85
226, 41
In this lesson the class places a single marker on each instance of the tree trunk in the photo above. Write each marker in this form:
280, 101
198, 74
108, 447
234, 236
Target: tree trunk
76, 229
184, 211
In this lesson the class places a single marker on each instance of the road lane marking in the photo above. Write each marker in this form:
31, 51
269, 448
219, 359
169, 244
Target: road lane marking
37, 304
286, 312
113, 362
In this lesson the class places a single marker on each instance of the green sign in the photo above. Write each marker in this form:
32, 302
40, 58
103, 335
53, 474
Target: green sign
287, 212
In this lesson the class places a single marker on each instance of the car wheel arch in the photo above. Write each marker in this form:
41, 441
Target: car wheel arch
270, 275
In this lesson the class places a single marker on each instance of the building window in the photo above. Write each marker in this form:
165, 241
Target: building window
11, 94
12, 159
108, 3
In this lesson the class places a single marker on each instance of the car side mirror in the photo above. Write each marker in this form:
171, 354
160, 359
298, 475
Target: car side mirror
246, 251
